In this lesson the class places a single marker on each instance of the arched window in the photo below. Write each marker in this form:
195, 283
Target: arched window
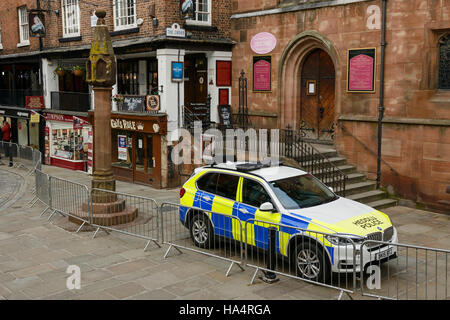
444, 62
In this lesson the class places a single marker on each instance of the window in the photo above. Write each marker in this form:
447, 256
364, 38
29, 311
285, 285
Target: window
23, 27
227, 186
124, 14
70, 18
127, 76
254, 194
208, 182
444, 62
202, 14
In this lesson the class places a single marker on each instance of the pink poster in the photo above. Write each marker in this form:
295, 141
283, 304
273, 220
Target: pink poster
361, 73
261, 75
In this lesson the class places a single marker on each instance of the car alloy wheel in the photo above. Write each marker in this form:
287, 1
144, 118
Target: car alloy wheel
201, 231
308, 264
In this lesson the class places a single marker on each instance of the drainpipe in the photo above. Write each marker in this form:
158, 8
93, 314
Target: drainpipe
381, 106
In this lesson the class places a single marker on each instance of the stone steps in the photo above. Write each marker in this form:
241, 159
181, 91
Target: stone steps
358, 187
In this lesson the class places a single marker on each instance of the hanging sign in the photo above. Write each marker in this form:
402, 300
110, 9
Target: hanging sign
187, 9
262, 73
122, 147
36, 21
361, 66
34, 102
263, 43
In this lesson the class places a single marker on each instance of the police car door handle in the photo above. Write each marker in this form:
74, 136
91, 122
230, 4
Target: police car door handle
243, 210
206, 198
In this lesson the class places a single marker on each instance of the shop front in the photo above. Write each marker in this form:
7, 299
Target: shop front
24, 130
67, 141
137, 146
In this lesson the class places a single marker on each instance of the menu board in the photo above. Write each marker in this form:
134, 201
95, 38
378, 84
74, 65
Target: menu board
262, 73
133, 103
361, 66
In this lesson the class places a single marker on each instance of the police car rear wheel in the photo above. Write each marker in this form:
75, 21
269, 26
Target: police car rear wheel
310, 262
201, 231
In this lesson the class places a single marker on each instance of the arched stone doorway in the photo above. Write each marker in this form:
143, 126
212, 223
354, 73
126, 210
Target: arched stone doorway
309, 62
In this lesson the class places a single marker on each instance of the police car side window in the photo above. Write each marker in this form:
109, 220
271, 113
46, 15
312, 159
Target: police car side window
254, 194
227, 186
208, 182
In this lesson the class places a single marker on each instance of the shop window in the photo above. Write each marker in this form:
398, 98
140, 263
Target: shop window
70, 18
152, 66
202, 12
444, 62
23, 26
127, 76
69, 144
124, 14
122, 144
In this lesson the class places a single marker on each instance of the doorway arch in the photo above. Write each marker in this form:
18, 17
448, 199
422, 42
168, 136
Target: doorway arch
290, 77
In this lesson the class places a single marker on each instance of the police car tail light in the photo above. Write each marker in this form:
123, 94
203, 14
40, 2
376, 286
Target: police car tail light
182, 192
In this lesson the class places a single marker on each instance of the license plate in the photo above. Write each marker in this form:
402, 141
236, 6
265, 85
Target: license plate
384, 254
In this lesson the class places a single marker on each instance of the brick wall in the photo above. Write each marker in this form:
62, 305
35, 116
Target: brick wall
167, 12
416, 150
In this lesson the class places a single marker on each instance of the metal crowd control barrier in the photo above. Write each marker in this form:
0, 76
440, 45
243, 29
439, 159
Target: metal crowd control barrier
42, 190
128, 214
69, 199
22, 156
302, 254
209, 233
405, 272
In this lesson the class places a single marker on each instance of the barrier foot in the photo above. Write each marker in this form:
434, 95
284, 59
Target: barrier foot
231, 266
167, 252
148, 243
254, 276
29, 202
34, 202
82, 225
96, 231
341, 293
51, 215
42, 213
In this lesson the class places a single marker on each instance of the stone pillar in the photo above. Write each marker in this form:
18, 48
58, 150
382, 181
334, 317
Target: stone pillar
101, 74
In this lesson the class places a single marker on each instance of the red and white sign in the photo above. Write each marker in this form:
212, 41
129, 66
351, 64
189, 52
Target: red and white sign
361, 73
263, 43
65, 118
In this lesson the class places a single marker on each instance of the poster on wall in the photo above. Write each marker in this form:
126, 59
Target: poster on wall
361, 66
122, 147
223, 96
223, 74
177, 71
262, 73
90, 158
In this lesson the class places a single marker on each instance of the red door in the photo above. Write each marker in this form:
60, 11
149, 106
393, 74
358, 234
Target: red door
317, 96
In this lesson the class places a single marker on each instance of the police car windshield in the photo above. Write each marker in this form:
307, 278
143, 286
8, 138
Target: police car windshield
301, 192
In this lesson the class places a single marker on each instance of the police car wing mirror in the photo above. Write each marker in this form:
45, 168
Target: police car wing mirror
331, 189
266, 206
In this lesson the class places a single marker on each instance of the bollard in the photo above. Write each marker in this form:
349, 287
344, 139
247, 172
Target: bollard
271, 277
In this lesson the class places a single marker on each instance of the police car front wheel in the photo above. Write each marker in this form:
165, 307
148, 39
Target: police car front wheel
311, 263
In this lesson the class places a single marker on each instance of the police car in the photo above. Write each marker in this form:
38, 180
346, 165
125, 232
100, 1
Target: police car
285, 196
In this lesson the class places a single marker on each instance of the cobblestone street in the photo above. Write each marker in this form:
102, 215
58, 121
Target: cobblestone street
35, 253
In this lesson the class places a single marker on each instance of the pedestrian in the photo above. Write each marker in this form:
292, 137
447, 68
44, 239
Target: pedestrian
6, 137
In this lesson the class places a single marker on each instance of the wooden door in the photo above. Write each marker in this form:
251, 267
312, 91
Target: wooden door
195, 87
317, 96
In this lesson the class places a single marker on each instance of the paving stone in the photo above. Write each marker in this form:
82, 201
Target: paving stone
158, 294
126, 290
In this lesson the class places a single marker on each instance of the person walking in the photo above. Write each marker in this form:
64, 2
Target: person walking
6, 137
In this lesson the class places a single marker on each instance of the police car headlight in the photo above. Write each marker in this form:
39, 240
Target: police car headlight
341, 239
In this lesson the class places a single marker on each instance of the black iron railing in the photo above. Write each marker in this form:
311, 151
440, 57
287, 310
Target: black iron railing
293, 146
71, 101
16, 98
